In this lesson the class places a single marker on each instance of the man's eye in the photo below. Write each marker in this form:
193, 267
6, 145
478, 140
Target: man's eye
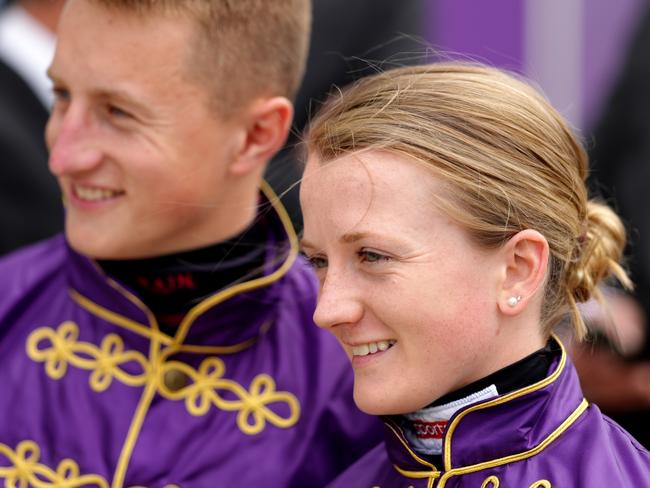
118, 112
372, 257
60, 95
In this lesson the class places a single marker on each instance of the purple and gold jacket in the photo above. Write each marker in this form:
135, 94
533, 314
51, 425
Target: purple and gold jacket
247, 393
542, 436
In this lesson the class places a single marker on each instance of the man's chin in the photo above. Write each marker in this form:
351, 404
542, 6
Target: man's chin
95, 245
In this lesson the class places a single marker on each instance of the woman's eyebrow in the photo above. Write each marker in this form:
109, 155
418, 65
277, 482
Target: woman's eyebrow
353, 237
347, 238
303, 243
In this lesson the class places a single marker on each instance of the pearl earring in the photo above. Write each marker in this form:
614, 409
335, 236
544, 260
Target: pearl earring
513, 301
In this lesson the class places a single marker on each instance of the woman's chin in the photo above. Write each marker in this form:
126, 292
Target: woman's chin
389, 401
377, 403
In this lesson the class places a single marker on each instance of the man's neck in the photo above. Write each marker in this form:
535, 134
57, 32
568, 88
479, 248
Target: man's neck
172, 285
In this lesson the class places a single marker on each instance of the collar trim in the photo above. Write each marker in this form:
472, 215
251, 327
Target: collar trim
263, 281
149, 332
522, 455
418, 475
412, 474
450, 472
499, 401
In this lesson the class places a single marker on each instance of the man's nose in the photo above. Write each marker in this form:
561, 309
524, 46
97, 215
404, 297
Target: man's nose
72, 140
339, 302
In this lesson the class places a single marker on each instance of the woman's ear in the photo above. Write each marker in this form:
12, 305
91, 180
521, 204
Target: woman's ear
526, 261
267, 125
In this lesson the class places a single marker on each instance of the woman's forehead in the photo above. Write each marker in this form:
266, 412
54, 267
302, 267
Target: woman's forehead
368, 188
372, 170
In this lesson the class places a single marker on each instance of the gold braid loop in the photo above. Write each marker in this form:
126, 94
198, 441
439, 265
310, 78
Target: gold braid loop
25, 471
493, 482
208, 387
58, 348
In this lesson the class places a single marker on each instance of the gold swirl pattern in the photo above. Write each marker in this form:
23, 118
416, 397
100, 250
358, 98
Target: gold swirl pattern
377, 486
104, 361
252, 405
25, 471
61, 347
493, 482
166, 486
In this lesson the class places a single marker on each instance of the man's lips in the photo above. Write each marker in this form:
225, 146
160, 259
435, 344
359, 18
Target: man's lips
89, 193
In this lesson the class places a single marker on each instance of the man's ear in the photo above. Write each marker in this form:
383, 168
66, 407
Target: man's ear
525, 264
267, 124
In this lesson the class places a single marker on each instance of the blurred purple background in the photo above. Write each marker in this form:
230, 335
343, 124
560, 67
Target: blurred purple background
571, 48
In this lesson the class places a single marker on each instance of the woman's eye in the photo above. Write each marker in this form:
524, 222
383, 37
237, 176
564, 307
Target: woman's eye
372, 257
317, 262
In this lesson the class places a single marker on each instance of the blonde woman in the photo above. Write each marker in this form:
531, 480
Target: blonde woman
447, 217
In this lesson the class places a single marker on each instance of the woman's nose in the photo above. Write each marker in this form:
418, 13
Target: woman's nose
338, 302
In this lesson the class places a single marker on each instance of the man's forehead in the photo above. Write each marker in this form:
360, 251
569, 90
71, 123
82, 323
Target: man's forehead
118, 42
143, 62
122, 27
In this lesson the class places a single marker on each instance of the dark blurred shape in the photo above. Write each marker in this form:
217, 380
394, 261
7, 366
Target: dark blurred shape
350, 39
620, 159
30, 201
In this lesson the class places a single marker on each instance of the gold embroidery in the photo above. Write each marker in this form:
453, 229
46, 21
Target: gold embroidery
25, 471
541, 484
104, 361
64, 349
252, 405
493, 482
58, 348
166, 486
377, 486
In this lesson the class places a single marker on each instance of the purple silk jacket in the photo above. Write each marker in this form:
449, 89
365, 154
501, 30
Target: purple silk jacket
248, 393
542, 436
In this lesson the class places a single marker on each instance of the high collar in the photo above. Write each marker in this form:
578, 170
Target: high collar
230, 319
504, 429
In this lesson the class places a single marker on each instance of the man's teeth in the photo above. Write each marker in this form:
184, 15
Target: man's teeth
93, 193
371, 348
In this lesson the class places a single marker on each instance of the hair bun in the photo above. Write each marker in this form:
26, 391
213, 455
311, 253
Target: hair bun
597, 253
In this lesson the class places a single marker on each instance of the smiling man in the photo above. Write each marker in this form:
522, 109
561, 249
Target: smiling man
167, 339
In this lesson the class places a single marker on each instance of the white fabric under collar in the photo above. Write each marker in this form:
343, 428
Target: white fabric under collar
28, 48
425, 428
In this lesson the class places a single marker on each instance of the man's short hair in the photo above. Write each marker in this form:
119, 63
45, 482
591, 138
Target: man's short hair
245, 48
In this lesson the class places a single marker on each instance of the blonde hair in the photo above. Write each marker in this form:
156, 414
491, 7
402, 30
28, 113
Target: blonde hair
245, 48
509, 159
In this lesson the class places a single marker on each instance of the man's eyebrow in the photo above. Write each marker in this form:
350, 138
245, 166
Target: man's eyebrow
117, 94
112, 93
50, 74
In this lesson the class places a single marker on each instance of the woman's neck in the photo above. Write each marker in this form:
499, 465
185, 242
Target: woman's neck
424, 429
